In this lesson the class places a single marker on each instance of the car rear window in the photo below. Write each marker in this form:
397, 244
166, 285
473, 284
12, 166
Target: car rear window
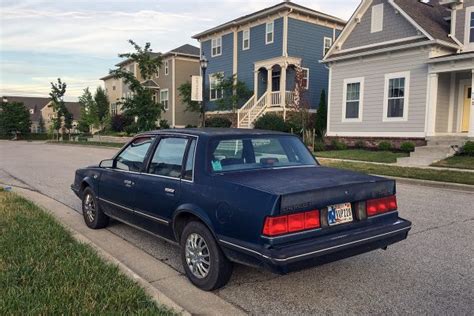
250, 153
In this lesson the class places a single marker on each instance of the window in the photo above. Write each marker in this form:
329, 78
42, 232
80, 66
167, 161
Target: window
164, 98
305, 79
352, 100
167, 68
396, 96
189, 167
215, 81
216, 46
113, 108
269, 32
246, 39
132, 157
327, 45
168, 158
471, 28
258, 153
113, 88
377, 18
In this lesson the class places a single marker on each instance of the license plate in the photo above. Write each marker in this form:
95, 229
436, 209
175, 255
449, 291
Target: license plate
339, 214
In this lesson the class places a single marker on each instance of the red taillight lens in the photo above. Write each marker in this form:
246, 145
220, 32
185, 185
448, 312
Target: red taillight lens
383, 205
281, 225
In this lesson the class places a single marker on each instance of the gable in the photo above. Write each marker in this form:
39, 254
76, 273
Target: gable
394, 27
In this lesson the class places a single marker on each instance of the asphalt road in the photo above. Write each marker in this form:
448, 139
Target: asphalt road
432, 272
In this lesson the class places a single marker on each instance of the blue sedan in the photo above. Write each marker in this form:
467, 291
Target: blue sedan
229, 196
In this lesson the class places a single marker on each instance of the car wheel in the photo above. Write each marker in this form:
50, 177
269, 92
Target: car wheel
203, 261
93, 215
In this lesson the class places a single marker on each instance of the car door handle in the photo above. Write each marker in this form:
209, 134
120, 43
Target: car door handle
128, 183
169, 191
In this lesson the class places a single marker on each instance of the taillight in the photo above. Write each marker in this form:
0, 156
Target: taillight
281, 225
383, 205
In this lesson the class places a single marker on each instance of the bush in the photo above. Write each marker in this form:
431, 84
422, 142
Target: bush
164, 124
131, 129
190, 126
319, 146
468, 148
407, 147
360, 144
385, 146
271, 122
337, 145
119, 122
218, 122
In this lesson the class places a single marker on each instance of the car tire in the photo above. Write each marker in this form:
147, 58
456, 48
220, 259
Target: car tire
93, 215
200, 252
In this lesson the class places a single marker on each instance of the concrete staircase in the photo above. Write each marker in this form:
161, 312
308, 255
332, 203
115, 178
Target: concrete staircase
438, 148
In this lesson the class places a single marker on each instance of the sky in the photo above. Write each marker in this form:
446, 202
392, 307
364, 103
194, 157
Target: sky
79, 40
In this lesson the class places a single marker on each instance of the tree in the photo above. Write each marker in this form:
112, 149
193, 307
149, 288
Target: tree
88, 110
41, 125
321, 116
68, 121
234, 93
300, 103
101, 106
184, 91
14, 118
58, 90
141, 106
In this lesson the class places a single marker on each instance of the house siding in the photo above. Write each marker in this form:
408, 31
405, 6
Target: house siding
395, 26
306, 41
185, 68
461, 20
374, 69
442, 107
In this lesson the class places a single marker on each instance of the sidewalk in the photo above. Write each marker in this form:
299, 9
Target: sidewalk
165, 285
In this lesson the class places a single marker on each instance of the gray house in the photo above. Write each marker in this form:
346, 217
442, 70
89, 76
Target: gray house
403, 69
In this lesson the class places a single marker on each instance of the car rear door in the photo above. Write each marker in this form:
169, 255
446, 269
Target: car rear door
117, 185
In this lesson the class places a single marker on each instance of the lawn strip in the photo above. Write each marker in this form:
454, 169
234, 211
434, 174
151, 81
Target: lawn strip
458, 162
362, 155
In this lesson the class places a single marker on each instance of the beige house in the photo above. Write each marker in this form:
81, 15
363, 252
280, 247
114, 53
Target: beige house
178, 66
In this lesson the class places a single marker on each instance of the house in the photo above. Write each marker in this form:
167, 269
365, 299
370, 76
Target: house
403, 69
40, 109
178, 66
264, 50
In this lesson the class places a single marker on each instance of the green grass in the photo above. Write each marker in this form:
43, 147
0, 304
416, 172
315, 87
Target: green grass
362, 155
87, 143
405, 172
44, 271
460, 162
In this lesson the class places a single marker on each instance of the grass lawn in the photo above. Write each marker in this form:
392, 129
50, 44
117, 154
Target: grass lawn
363, 155
461, 162
405, 172
103, 144
44, 271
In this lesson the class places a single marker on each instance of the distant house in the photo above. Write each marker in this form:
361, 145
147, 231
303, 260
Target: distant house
263, 50
39, 108
403, 69
178, 66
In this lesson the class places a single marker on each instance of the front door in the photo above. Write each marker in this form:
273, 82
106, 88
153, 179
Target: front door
467, 99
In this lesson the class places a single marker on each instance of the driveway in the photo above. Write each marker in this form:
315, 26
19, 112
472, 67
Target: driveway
432, 272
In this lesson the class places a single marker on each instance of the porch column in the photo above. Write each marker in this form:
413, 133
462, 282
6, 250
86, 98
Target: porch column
255, 84
431, 104
283, 89
269, 85
471, 116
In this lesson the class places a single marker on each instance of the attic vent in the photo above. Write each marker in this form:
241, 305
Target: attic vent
377, 18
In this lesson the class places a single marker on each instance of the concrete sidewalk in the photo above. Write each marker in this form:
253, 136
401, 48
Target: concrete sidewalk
165, 285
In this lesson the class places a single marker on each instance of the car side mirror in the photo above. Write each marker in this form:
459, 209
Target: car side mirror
108, 163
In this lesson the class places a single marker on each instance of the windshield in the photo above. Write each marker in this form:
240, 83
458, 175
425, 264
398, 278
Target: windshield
250, 153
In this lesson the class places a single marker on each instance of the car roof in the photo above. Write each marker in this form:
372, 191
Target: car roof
215, 132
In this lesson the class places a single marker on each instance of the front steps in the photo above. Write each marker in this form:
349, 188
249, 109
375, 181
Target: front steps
437, 148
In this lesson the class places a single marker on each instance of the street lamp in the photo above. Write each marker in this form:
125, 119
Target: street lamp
204, 63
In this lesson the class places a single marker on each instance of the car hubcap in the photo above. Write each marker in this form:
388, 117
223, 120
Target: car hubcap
197, 256
89, 207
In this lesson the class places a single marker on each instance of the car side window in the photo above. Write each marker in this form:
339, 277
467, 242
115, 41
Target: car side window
132, 157
168, 157
188, 171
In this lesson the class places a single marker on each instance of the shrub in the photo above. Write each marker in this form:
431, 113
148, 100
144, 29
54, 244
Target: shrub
407, 147
319, 146
271, 122
219, 122
164, 124
190, 126
337, 145
385, 146
468, 148
359, 144
119, 122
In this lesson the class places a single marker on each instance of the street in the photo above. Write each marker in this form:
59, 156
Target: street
432, 272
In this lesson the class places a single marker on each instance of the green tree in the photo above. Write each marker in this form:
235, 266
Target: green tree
41, 125
184, 91
58, 90
88, 110
300, 102
321, 116
14, 118
141, 106
234, 93
101, 107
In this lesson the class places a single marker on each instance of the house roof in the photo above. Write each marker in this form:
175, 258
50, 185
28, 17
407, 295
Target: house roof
283, 6
150, 84
75, 109
31, 103
128, 60
185, 50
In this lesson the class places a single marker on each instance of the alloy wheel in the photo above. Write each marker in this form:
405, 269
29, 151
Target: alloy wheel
89, 207
197, 256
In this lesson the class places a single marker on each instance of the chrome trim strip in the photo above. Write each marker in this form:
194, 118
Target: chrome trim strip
118, 205
137, 212
292, 234
317, 251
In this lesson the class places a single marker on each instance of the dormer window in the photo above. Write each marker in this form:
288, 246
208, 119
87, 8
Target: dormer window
216, 44
377, 18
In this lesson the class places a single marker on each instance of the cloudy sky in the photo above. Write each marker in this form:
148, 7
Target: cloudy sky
78, 40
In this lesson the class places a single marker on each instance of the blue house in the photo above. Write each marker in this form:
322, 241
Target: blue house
266, 50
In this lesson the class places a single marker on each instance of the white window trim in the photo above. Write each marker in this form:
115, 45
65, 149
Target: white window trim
307, 77
406, 103
243, 39
266, 32
374, 28
168, 99
324, 45
210, 77
167, 68
214, 40
467, 28
360, 80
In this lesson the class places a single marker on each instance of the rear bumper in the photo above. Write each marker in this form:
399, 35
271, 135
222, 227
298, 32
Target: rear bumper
75, 190
317, 251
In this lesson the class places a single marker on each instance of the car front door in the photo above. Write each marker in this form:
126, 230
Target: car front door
117, 184
158, 192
